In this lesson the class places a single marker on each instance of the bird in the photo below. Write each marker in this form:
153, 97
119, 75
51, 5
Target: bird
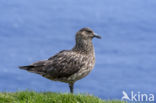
71, 65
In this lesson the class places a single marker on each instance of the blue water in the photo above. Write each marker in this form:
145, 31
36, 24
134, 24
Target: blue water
32, 30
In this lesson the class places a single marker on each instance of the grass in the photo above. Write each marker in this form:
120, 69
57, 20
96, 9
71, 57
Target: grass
48, 97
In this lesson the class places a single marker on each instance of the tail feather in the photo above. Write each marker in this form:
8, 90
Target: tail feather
34, 69
29, 67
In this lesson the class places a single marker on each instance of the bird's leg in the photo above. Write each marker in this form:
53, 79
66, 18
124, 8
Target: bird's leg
71, 86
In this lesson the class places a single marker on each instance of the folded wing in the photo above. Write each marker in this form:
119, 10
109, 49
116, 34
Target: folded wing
63, 64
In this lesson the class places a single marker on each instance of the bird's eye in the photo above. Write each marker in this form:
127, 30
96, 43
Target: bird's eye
89, 31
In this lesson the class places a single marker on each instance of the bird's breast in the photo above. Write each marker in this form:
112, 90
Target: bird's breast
89, 62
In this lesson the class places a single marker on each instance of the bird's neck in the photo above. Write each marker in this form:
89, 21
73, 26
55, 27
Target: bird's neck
84, 46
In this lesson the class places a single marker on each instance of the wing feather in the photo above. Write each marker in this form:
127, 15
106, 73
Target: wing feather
64, 64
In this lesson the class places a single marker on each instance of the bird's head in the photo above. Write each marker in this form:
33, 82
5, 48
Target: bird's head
84, 40
86, 34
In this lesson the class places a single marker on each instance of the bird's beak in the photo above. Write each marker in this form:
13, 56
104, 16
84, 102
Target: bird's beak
97, 36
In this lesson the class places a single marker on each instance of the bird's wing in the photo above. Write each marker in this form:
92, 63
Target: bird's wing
64, 64
39, 67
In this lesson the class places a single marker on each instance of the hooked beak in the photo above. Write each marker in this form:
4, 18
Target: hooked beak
97, 36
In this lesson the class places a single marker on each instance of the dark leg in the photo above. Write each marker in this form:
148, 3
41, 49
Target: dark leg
71, 86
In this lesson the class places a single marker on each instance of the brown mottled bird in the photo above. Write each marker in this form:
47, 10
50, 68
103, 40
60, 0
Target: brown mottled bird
69, 65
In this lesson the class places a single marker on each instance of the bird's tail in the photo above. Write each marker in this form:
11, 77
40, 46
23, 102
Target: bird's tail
34, 69
28, 68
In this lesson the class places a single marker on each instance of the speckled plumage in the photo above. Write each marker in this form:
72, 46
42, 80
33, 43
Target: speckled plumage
69, 65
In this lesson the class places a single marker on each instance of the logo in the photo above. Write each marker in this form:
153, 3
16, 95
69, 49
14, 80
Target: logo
138, 97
